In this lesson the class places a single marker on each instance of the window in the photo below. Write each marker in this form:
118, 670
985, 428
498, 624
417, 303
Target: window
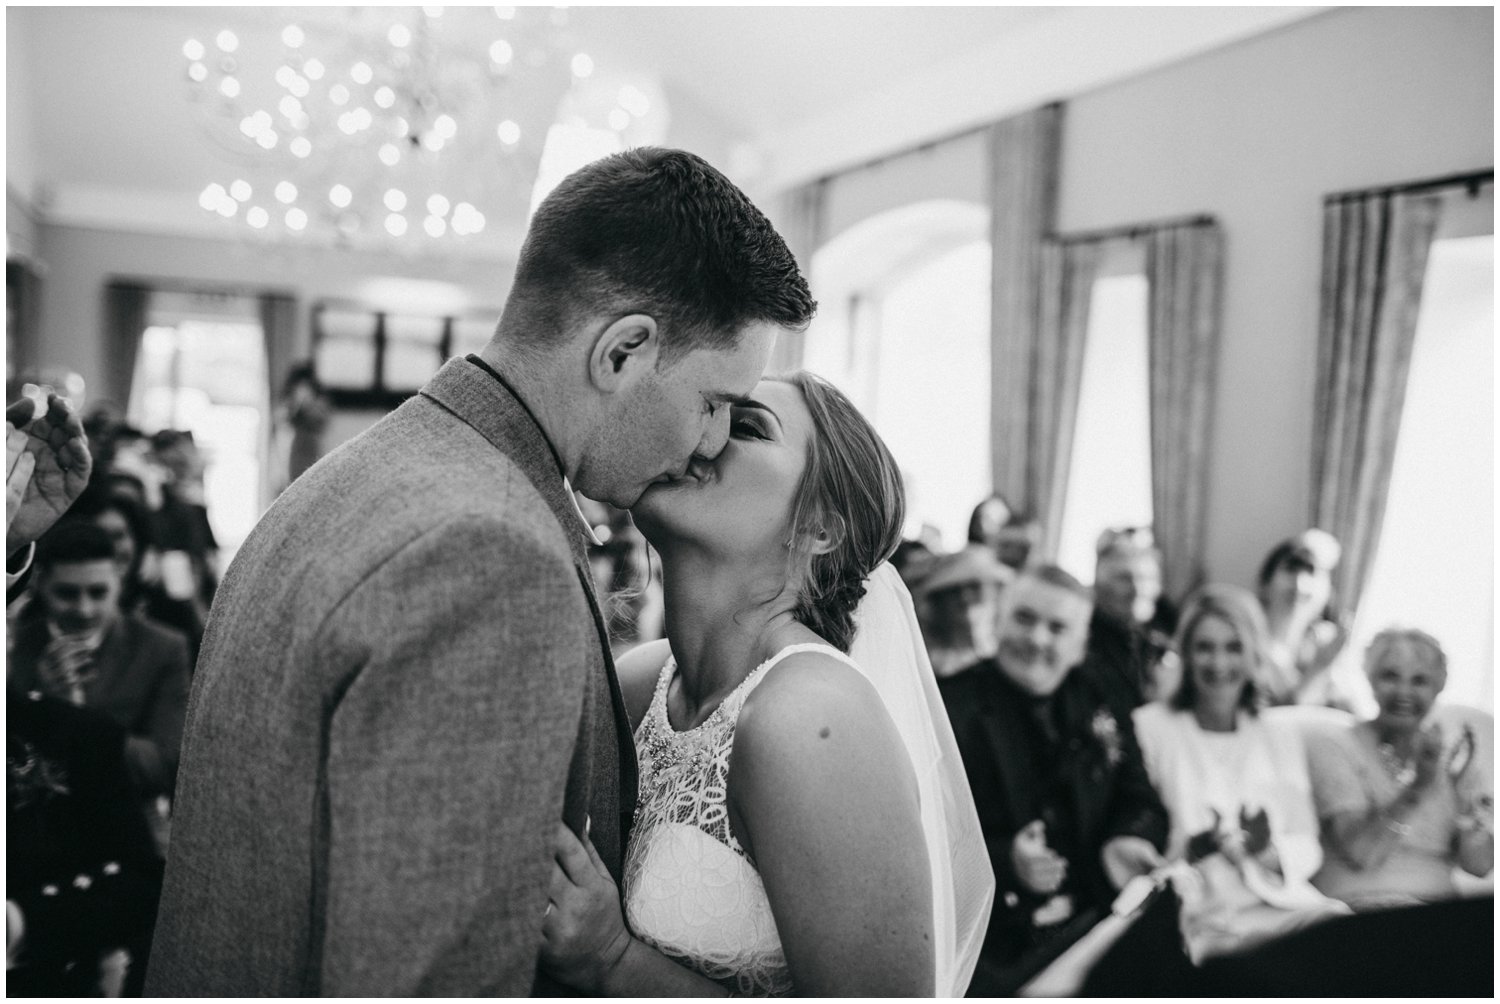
1434, 569
1109, 473
903, 329
202, 368
373, 360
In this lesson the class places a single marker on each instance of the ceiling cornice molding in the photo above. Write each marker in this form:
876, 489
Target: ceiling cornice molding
177, 214
1053, 59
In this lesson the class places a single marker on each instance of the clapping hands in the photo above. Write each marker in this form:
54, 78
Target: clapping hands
47, 465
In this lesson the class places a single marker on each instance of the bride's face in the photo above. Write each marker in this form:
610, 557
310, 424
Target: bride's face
741, 501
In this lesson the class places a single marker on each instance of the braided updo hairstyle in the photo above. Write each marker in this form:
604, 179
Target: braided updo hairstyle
852, 490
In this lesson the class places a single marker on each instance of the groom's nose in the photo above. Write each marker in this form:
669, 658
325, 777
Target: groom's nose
715, 437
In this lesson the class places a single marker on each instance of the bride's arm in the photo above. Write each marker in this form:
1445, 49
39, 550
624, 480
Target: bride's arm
827, 802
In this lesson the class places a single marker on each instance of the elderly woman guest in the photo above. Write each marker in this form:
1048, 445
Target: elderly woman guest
1295, 586
1234, 781
1400, 808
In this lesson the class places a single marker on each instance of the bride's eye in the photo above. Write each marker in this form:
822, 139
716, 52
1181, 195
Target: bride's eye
742, 426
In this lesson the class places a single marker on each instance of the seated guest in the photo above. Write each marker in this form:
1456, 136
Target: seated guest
1399, 806
1295, 586
1067, 810
1133, 622
82, 877
129, 528
1018, 539
1234, 782
988, 520
81, 649
956, 603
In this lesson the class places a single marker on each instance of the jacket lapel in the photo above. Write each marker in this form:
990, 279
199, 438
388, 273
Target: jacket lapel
488, 405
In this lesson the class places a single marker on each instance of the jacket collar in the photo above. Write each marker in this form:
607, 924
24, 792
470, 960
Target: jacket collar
483, 399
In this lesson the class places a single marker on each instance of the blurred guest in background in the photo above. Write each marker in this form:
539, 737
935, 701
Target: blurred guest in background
988, 520
306, 411
1068, 812
1295, 586
1018, 538
1133, 622
957, 606
1235, 784
189, 551
83, 650
1400, 807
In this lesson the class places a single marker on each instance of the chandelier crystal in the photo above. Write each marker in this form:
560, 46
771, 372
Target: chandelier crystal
409, 123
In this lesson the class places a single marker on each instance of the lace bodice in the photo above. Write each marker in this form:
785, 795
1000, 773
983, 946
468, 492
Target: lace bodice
691, 890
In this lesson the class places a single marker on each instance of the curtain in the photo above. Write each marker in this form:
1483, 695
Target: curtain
802, 230
1024, 157
1375, 249
1184, 272
125, 309
1068, 273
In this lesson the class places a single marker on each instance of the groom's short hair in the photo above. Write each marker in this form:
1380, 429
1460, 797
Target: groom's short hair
658, 232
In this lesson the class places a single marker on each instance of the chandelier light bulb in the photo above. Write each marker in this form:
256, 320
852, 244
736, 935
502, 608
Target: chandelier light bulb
509, 132
227, 41
227, 207
249, 126
362, 117
240, 189
299, 86
193, 49
290, 107
292, 37
400, 36
211, 196
229, 87
285, 75
296, 218
395, 224
267, 140
197, 73
501, 51
286, 192
313, 69
338, 94
400, 128
432, 141
634, 101
619, 119
347, 124
437, 205
301, 147
361, 73
340, 196
435, 226
389, 155
385, 97
395, 200
445, 126
583, 65
257, 217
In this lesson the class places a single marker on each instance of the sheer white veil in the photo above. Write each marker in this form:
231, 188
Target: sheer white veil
889, 651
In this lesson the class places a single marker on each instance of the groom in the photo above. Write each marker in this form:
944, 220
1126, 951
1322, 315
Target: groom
405, 681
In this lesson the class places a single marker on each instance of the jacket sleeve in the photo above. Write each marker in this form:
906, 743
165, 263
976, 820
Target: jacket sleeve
447, 755
1135, 807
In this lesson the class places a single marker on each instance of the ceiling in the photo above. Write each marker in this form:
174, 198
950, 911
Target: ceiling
100, 130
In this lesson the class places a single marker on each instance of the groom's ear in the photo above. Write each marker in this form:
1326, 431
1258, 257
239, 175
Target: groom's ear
626, 349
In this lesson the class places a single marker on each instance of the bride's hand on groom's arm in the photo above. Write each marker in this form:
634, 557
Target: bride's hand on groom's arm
585, 942
583, 931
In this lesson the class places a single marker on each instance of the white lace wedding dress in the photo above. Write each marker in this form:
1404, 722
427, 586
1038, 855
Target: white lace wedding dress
691, 890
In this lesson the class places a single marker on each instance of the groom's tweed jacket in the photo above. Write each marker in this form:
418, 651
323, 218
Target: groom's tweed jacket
404, 686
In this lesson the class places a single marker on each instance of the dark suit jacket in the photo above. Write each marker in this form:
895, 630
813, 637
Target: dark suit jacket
1096, 765
139, 679
404, 685
79, 860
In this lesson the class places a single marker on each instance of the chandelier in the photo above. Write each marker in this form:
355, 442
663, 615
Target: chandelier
364, 125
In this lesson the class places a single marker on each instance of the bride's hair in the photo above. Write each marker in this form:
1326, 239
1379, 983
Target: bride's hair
851, 490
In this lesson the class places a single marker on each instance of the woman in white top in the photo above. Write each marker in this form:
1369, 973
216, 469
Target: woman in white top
1234, 781
801, 828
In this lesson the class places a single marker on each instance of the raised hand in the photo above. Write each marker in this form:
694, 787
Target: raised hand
1127, 856
1037, 866
62, 464
583, 931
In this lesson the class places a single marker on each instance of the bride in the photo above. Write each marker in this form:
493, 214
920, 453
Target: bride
804, 823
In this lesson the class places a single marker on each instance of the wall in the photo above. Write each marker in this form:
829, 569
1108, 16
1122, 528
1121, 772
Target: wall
1256, 134
79, 262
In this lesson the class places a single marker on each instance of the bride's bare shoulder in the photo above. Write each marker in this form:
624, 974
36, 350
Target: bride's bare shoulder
638, 670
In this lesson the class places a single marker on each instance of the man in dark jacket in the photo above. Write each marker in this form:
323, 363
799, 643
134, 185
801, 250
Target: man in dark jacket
1067, 810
